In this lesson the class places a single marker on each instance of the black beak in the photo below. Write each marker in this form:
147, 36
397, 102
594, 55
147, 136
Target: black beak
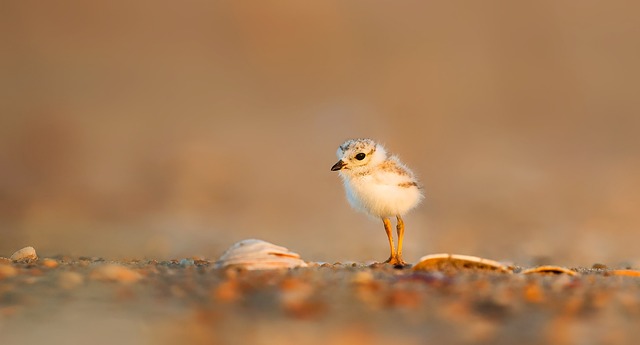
338, 165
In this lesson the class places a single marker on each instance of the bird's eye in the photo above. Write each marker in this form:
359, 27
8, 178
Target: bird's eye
360, 156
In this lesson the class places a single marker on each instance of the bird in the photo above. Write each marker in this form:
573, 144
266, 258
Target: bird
380, 185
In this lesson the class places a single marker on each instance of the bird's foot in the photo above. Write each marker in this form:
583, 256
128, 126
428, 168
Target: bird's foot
396, 261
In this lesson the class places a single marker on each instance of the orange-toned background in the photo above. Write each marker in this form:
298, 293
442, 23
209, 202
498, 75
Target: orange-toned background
173, 129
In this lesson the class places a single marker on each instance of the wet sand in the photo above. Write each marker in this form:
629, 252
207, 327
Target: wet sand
66, 300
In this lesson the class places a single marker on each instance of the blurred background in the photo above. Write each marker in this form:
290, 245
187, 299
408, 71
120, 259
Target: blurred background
174, 129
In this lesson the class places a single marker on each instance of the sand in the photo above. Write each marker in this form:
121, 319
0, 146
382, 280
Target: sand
66, 300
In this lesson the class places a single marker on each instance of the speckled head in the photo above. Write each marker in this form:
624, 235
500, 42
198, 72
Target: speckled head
358, 154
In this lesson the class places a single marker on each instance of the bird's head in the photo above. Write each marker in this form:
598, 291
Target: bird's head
359, 154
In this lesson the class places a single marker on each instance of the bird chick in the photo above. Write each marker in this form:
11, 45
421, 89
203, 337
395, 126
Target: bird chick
379, 185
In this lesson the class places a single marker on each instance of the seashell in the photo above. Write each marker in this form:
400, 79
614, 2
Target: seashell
255, 254
455, 262
26, 254
550, 269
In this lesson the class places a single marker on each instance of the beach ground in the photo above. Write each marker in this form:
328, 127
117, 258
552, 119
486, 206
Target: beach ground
65, 300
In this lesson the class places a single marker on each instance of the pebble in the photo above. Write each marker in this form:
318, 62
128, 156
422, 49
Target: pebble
115, 273
401, 298
295, 298
70, 280
26, 254
362, 277
228, 291
49, 263
187, 262
533, 293
7, 271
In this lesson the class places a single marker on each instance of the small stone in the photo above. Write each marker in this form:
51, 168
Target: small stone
376, 265
70, 280
295, 298
115, 273
49, 263
35, 272
200, 262
26, 254
400, 298
315, 264
7, 271
187, 262
362, 277
228, 291
533, 293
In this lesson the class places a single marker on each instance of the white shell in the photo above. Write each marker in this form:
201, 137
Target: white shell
25, 254
255, 254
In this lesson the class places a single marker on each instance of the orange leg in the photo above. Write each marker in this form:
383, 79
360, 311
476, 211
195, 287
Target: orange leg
400, 229
387, 228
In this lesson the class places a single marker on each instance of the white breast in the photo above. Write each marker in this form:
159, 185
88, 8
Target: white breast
380, 196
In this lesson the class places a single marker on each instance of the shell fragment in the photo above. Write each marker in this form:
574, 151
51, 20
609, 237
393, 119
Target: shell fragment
549, 269
456, 262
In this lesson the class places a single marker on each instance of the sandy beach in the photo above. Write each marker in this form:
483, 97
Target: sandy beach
66, 300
